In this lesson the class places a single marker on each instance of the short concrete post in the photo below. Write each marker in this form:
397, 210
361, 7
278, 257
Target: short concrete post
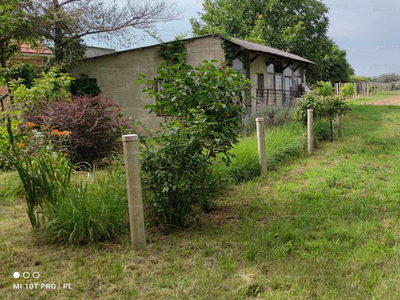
339, 126
261, 147
135, 202
310, 130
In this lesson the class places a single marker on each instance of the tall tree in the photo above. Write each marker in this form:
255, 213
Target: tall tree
299, 27
14, 28
65, 22
335, 67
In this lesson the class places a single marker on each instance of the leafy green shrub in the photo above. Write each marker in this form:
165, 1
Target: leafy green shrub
323, 107
50, 86
175, 175
282, 144
347, 90
25, 73
89, 212
306, 102
204, 105
324, 89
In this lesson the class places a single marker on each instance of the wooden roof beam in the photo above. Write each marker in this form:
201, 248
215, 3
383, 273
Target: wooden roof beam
298, 66
254, 58
269, 61
287, 65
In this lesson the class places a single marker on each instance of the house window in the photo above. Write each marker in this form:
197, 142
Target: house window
238, 63
278, 82
299, 71
278, 67
288, 71
299, 81
270, 82
260, 81
270, 68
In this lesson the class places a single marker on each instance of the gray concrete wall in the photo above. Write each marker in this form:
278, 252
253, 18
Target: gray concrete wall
257, 67
116, 74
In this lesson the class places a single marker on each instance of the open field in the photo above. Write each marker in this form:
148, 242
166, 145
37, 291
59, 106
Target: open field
394, 100
321, 227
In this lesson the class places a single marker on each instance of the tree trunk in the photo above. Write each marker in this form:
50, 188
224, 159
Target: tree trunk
3, 59
58, 37
331, 130
58, 49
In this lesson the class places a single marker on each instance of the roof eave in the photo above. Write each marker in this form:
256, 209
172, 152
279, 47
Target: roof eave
304, 61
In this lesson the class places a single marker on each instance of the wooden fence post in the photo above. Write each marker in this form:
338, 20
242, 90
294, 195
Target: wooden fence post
134, 187
310, 130
261, 147
339, 126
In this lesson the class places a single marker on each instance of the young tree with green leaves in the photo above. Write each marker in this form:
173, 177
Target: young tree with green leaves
333, 106
348, 90
324, 89
204, 111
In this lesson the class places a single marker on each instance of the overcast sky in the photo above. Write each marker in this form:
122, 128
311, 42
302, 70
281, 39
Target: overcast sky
369, 30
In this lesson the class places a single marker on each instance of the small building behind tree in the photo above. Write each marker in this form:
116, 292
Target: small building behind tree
277, 76
39, 55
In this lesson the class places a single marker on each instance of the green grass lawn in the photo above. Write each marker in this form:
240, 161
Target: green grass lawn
321, 227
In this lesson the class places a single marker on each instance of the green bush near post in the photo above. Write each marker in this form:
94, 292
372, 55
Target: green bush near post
324, 89
204, 106
347, 90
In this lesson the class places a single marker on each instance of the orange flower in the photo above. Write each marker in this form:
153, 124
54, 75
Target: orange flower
61, 133
20, 145
30, 124
56, 132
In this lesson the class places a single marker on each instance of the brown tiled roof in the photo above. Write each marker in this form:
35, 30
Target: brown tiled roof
3, 90
41, 49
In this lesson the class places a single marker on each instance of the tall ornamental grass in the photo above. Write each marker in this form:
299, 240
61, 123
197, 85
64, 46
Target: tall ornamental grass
282, 144
93, 210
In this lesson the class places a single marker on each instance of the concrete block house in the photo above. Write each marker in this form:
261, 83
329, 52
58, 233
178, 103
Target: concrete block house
276, 75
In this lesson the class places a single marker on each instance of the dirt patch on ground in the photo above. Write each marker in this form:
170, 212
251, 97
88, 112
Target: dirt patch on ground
388, 101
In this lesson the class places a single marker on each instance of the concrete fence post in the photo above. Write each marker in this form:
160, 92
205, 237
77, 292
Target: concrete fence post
134, 187
310, 130
261, 147
339, 126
